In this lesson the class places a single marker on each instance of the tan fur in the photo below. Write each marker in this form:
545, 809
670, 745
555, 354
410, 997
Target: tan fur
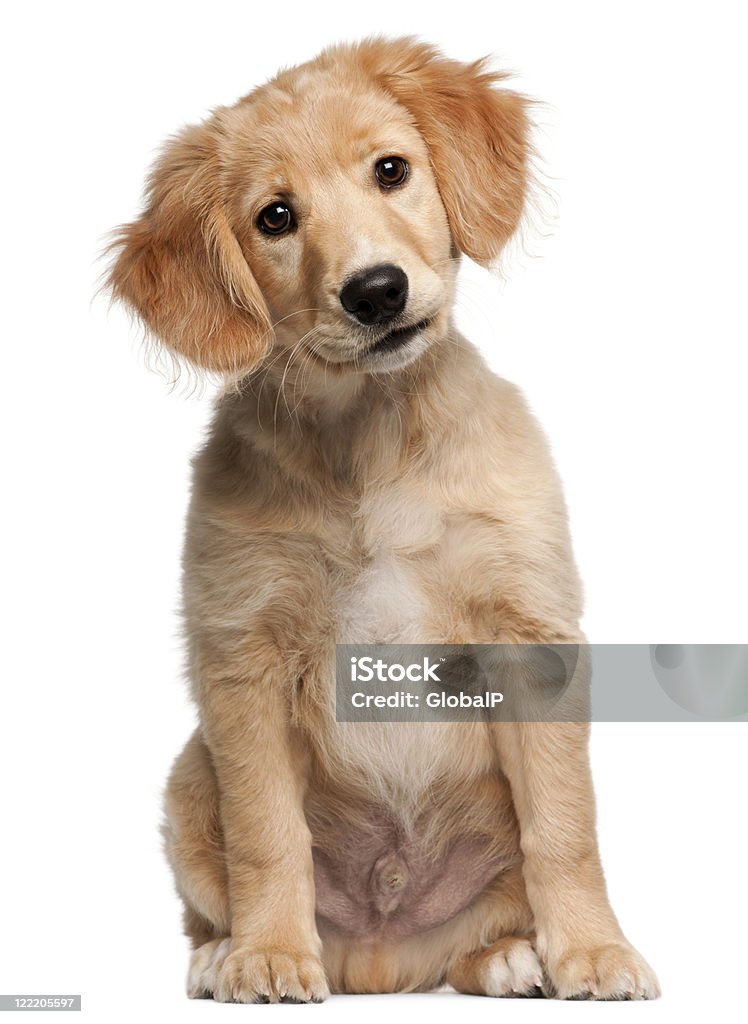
411, 499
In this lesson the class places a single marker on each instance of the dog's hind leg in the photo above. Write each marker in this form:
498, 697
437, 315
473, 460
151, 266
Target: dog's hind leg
193, 842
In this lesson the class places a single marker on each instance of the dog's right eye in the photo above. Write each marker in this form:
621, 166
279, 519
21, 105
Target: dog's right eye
275, 219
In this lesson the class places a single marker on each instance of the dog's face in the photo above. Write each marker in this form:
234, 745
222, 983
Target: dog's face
324, 213
337, 210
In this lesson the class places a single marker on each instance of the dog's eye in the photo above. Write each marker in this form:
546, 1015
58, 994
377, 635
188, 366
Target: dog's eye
275, 219
391, 171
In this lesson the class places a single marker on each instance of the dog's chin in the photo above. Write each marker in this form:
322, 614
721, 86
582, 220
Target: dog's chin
397, 348
394, 350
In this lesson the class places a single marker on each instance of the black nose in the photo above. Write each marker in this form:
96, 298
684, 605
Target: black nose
376, 295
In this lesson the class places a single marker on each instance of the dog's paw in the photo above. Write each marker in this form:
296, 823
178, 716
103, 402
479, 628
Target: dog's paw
509, 967
204, 964
254, 976
612, 971
512, 970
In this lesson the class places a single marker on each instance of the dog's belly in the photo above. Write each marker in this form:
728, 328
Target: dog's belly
383, 884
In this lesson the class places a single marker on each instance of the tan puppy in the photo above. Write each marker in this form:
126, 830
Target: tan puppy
366, 479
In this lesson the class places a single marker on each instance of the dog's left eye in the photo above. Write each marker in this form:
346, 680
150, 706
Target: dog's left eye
391, 171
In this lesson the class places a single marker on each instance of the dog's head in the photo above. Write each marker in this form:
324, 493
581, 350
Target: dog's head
326, 210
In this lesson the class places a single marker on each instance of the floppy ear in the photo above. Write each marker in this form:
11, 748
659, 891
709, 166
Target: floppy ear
181, 268
477, 137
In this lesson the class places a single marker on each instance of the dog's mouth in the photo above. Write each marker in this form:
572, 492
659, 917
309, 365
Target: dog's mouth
376, 354
394, 340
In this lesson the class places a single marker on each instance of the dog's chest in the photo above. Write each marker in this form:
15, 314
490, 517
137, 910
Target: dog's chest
389, 597
395, 595
385, 603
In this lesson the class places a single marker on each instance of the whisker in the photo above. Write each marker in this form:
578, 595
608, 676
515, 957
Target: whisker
308, 361
296, 312
281, 387
296, 347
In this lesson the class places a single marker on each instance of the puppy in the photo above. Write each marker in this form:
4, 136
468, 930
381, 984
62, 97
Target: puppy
366, 479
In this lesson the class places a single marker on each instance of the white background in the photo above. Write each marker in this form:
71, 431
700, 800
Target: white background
624, 324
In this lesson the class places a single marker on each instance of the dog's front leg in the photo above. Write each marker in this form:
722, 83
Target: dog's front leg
274, 950
579, 939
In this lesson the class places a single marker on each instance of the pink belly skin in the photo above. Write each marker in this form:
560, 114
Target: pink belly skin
383, 886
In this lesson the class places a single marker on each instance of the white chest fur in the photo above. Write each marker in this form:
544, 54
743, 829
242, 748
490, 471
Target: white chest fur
385, 603
388, 602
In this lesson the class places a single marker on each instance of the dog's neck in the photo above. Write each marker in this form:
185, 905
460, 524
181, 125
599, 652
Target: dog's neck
317, 424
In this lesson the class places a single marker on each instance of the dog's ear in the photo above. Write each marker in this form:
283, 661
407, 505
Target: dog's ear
477, 137
181, 268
